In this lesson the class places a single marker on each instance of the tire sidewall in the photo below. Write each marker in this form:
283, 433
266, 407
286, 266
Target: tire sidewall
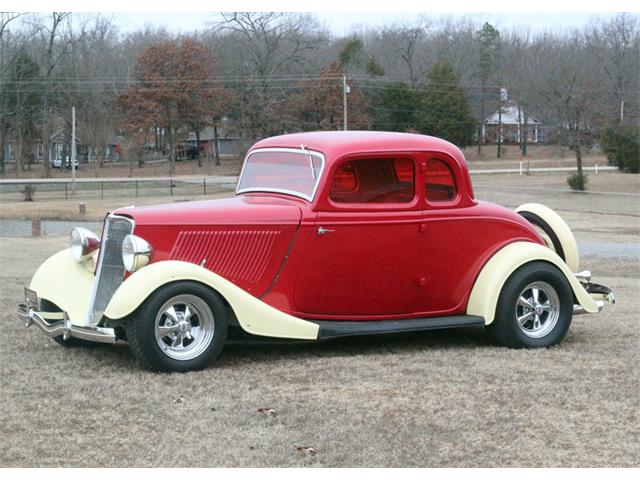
505, 324
141, 328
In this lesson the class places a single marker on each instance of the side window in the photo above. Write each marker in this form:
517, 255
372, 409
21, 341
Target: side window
376, 180
440, 184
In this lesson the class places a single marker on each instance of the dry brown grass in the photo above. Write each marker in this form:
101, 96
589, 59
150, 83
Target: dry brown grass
534, 152
95, 208
431, 399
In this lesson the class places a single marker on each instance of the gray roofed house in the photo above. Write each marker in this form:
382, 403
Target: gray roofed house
512, 125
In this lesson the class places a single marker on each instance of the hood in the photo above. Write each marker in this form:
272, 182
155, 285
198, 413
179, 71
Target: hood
244, 239
239, 210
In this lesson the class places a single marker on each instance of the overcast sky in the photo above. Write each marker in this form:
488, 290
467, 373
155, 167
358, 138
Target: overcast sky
340, 23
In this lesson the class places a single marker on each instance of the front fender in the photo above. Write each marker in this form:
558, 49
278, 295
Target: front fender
254, 316
486, 290
67, 283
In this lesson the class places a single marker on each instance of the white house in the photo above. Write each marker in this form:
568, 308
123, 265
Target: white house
512, 125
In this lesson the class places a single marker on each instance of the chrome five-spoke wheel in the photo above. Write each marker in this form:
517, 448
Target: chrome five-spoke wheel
184, 327
534, 307
537, 309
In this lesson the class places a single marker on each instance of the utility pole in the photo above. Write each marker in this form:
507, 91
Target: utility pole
73, 150
499, 152
345, 90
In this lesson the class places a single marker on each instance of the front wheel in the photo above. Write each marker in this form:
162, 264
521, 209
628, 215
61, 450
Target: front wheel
534, 308
180, 327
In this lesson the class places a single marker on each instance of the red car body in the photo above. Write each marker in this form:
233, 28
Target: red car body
322, 259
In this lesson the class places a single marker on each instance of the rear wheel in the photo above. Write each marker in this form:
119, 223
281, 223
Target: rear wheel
534, 308
181, 327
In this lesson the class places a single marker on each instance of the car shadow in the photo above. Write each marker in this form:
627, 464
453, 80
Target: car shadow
256, 349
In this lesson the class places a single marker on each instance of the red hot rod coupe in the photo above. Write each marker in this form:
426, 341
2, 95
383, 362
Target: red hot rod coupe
329, 234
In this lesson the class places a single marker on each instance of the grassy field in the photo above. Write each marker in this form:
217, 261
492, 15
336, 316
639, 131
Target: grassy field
435, 399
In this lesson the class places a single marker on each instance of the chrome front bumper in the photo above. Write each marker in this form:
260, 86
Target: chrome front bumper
601, 294
55, 324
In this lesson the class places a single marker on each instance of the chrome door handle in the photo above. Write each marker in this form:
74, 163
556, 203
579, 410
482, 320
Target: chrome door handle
322, 230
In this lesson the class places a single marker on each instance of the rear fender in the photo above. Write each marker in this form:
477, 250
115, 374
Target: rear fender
561, 230
254, 316
486, 290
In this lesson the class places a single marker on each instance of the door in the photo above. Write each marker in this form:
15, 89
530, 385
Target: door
362, 258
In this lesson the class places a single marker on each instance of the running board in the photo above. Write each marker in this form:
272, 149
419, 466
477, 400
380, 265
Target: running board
332, 328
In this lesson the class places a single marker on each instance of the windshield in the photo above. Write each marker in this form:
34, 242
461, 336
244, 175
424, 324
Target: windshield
295, 172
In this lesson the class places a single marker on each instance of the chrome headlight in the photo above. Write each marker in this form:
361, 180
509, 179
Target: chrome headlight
135, 253
83, 243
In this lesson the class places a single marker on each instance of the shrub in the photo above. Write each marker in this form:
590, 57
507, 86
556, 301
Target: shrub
28, 191
622, 146
577, 181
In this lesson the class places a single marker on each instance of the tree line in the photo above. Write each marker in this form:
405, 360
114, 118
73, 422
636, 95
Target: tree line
262, 74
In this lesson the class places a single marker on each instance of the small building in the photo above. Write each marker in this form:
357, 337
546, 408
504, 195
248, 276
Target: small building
60, 147
512, 126
228, 145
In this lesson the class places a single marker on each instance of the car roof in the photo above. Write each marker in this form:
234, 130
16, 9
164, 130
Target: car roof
336, 144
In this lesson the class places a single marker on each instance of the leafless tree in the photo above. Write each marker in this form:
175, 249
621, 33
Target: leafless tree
270, 45
615, 45
6, 18
571, 91
57, 46
268, 59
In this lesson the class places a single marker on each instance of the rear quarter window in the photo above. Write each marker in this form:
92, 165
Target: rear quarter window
440, 182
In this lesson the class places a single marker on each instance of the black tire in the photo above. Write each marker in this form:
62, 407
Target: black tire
546, 278
141, 327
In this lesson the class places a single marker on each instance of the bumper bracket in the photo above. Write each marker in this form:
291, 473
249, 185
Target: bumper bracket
55, 324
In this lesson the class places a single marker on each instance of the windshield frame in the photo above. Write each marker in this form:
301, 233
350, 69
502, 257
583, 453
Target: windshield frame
306, 152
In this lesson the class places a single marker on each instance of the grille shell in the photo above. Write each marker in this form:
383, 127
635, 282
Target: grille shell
110, 271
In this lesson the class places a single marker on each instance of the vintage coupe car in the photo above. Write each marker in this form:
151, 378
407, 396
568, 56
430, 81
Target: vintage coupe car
329, 234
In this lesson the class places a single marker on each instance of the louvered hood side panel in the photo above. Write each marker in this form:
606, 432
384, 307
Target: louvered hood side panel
248, 257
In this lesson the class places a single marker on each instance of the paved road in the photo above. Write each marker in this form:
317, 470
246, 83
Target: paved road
22, 228
540, 169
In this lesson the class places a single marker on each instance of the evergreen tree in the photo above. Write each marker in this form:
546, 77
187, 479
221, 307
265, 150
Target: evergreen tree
446, 113
398, 107
23, 102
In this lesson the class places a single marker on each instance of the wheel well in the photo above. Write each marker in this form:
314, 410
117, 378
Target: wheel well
546, 262
536, 219
232, 319
493, 275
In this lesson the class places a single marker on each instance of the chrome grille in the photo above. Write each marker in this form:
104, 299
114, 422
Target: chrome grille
110, 271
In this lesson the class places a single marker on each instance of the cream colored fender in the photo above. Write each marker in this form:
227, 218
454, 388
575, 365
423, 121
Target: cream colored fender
67, 283
254, 315
486, 290
560, 228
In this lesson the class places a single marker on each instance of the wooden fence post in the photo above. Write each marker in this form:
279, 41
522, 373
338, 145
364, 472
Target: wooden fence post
36, 227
